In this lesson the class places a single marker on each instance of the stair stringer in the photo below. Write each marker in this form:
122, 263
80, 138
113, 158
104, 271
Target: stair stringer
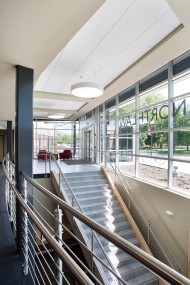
143, 244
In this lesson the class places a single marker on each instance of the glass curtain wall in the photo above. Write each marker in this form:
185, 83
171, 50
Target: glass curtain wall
147, 134
55, 136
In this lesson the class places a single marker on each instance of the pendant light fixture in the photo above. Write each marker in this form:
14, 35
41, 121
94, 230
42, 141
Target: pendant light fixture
87, 90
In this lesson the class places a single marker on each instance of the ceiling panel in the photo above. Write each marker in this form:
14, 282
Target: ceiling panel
37, 114
111, 12
170, 19
57, 104
117, 35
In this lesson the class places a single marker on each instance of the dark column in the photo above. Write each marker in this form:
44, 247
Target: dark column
23, 137
24, 121
10, 139
74, 138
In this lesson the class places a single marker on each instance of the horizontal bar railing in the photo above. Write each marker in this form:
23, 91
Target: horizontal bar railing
95, 240
153, 264
110, 268
71, 264
141, 213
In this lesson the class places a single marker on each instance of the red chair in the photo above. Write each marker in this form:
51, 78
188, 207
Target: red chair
66, 154
43, 154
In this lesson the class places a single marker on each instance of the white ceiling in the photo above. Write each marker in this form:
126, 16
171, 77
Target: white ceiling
115, 37
117, 46
44, 107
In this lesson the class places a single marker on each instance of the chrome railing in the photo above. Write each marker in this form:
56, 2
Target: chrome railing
36, 234
10, 195
152, 236
92, 239
44, 236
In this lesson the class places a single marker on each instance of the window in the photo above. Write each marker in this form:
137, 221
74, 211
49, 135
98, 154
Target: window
110, 114
127, 108
144, 141
54, 136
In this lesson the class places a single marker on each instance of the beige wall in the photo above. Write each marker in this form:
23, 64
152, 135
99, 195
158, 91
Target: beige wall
47, 202
156, 201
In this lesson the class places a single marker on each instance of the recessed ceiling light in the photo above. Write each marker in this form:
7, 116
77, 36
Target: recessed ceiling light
56, 116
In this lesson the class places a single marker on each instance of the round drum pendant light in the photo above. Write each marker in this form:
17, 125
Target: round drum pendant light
87, 90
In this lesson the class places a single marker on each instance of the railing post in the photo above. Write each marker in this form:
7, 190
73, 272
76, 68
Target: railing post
188, 269
92, 247
148, 241
50, 162
7, 183
115, 173
59, 180
46, 164
105, 160
12, 202
25, 228
58, 236
129, 200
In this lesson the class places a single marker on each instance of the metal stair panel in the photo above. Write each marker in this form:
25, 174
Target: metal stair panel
100, 204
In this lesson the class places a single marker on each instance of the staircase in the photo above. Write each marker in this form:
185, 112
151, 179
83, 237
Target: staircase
99, 203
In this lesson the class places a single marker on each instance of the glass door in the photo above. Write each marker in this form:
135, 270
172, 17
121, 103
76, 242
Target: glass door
89, 144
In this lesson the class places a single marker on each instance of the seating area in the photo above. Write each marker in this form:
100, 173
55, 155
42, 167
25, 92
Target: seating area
66, 154
43, 154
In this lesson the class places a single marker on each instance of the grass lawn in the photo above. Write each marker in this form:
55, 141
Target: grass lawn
165, 150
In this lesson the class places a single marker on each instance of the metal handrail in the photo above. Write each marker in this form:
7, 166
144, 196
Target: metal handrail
153, 264
112, 269
139, 212
72, 265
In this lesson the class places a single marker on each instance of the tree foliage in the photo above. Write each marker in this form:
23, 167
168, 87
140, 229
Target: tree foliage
157, 117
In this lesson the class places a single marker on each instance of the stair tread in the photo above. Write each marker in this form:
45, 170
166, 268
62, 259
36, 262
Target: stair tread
132, 240
87, 180
144, 279
95, 197
99, 204
135, 265
88, 186
123, 231
107, 212
83, 191
102, 210
119, 224
121, 255
83, 174
111, 216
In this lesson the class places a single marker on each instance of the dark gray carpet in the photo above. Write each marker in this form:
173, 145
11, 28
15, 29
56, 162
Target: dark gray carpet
77, 161
10, 264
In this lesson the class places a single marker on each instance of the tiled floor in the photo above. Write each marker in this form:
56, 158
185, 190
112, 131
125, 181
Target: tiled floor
40, 167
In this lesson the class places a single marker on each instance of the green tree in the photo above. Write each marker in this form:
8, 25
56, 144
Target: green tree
182, 119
